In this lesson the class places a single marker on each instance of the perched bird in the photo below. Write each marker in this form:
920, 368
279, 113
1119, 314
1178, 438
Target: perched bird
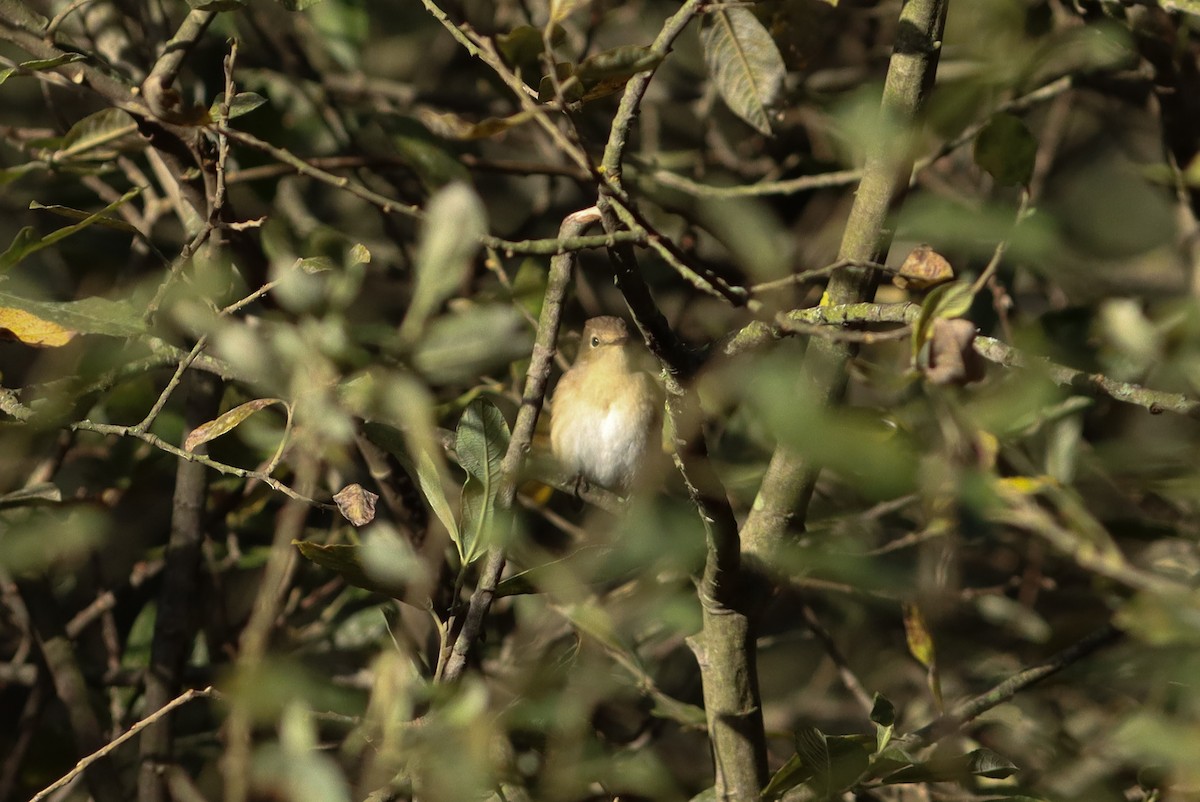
605, 414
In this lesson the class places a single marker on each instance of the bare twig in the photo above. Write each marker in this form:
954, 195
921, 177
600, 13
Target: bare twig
536, 379
82, 765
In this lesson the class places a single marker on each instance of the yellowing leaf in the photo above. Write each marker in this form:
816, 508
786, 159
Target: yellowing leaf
225, 423
31, 329
920, 646
356, 504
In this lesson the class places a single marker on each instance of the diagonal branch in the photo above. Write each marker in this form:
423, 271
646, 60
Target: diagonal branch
536, 380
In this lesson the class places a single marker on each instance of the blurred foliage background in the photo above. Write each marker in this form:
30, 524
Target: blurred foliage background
357, 246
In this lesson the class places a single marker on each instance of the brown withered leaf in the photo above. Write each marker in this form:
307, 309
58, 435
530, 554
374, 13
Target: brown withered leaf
951, 358
31, 329
356, 504
923, 268
226, 422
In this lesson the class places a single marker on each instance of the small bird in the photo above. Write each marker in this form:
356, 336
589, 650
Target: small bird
606, 411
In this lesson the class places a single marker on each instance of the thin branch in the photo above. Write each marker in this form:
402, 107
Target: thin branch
971, 709
536, 379
82, 765
1155, 402
840, 178
229, 470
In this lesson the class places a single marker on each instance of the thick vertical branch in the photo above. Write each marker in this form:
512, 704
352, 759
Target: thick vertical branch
788, 483
175, 624
536, 379
725, 647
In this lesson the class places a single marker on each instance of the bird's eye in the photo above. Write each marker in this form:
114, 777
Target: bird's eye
595, 342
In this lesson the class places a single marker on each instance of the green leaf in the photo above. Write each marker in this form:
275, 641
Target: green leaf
114, 223
297, 5
452, 126
87, 315
482, 440
227, 422
522, 47
38, 65
216, 5
980, 763
605, 73
346, 561
883, 716
243, 102
463, 346
454, 223
314, 264
95, 131
827, 764
429, 476
947, 301
745, 64
791, 774
1006, 149
27, 242
429, 157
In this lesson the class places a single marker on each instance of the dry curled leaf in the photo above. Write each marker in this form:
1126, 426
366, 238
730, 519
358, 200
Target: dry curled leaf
356, 504
951, 357
31, 329
923, 268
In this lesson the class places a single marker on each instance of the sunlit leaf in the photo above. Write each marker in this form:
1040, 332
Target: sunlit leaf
42, 491
561, 9
38, 65
346, 561
920, 646
227, 422
452, 126
243, 102
745, 64
482, 440
31, 329
107, 127
944, 302
86, 316
429, 476
883, 716
454, 223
